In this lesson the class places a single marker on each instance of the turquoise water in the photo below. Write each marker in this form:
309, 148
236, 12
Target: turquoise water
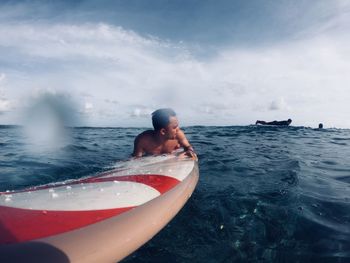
266, 194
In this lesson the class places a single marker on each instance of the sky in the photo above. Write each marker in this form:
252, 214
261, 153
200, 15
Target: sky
223, 62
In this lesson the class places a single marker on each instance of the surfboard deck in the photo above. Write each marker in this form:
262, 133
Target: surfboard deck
101, 218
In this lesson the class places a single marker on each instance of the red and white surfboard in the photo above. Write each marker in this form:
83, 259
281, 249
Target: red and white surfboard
96, 219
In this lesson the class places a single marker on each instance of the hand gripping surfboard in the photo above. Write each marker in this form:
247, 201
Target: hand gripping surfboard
102, 218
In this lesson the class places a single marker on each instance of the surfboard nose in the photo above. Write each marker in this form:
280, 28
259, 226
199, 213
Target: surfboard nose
101, 218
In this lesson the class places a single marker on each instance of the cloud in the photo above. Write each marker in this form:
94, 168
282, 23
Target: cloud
2, 77
85, 94
141, 112
76, 42
112, 101
4, 105
206, 24
118, 77
212, 108
279, 104
88, 108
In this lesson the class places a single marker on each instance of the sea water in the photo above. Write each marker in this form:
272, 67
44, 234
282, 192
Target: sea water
265, 194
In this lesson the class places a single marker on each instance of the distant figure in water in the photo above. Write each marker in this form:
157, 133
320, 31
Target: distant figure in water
320, 126
165, 138
277, 123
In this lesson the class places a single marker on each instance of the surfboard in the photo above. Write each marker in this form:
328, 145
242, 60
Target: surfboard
102, 218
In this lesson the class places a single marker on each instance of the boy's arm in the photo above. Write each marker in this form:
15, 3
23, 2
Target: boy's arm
185, 144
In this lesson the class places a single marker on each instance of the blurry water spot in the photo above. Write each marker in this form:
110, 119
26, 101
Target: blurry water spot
46, 120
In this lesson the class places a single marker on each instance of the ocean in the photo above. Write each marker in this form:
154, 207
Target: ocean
265, 194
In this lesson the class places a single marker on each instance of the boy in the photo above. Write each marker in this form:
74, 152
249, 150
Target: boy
165, 138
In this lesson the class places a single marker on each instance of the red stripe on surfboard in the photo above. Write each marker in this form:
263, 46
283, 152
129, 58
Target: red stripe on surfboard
161, 183
19, 225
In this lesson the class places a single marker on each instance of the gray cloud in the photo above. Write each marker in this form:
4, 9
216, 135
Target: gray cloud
140, 111
112, 101
211, 23
5, 103
213, 108
279, 104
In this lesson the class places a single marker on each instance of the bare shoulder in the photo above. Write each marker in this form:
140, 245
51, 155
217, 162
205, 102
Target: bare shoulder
144, 136
141, 142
